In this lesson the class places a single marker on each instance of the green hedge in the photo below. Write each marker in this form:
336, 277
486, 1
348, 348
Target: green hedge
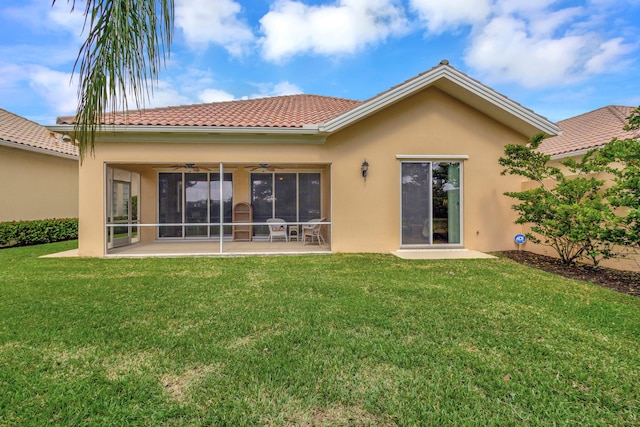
24, 233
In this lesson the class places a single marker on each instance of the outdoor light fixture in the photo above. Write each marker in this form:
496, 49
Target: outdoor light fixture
364, 168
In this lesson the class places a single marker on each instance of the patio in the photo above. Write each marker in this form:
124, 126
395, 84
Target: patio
212, 248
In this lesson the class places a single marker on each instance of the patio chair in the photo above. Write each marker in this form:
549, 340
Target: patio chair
277, 228
313, 231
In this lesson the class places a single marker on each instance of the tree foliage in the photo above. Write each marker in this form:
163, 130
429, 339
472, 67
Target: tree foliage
127, 41
588, 207
622, 159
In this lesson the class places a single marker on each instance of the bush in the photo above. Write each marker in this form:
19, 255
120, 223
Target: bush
24, 233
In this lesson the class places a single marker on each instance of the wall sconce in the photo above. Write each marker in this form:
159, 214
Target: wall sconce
364, 168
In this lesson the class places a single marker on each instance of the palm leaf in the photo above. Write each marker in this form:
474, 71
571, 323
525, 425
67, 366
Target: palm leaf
127, 42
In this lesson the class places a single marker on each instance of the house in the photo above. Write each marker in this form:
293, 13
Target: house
580, 134
587, 131
412, 168
38, 171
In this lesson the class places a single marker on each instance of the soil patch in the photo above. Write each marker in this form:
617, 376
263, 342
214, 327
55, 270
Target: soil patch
627, 282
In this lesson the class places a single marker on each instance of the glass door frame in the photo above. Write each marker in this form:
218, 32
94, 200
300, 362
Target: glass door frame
114, 235
459, 159
183, 208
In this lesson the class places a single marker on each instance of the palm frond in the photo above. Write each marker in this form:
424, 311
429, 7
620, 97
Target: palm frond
127, 42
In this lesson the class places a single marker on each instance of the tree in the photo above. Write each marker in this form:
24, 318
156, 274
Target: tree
622, 160
574, 210
127, 42
567, 213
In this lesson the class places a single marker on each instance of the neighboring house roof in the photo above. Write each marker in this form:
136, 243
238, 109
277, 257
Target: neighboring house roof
308, 114
18, 132
589, 130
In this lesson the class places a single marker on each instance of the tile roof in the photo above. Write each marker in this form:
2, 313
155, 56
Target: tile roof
291, 111
24, 133
589, 130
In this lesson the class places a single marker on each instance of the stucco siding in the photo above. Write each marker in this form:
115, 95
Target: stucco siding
37, 186
430, 123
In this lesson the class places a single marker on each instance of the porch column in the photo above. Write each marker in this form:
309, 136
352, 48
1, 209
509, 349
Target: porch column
221, 219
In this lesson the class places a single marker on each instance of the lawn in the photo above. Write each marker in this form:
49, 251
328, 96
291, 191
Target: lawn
310, 340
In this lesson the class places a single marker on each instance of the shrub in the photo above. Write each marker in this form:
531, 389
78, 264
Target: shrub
24, 233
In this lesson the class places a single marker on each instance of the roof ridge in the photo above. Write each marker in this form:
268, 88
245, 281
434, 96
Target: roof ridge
617, 113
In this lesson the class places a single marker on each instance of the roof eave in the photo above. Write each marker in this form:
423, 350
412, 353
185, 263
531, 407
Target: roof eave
204, 134
304, 130
33, 149
530, 122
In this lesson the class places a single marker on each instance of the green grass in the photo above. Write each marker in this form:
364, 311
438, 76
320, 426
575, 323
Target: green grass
310, 340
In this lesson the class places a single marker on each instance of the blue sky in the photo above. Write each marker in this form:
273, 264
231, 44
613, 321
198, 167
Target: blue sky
559, 58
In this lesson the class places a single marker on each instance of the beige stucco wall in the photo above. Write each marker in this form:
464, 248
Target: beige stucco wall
630, 260
37, 186
365, 215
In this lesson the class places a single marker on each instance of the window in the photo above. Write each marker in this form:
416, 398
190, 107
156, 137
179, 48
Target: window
431, 203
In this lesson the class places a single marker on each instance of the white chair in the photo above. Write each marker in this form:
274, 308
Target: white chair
313, 231
277, 228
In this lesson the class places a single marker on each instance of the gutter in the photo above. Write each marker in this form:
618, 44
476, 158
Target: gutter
305, 130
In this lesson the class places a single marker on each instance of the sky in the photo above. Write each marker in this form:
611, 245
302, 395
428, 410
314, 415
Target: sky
558, 58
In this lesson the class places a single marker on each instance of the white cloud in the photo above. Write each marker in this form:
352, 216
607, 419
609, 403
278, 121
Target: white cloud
440, 16
11, 75
61, 17
215, 95
213, 21
292, 27
165, 94
39, 14
506, 51
56, 89
526, 43
276, 89
607, 56
286, 88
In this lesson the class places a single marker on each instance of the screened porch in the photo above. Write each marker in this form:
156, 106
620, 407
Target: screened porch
214, 209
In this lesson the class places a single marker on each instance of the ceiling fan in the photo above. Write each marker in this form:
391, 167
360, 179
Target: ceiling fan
189, 167
263, 166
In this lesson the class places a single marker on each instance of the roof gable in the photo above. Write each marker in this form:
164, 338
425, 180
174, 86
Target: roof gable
589, 130
18, 132
460, 86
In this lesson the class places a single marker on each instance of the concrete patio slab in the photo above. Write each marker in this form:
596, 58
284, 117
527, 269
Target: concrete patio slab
441, 254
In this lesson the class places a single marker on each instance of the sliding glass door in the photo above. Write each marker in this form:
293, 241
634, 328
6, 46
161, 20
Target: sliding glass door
431, 203
188, 199
123, 189
293, 197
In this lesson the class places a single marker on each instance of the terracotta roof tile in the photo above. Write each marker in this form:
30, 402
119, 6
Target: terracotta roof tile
22, 132
589, 130
292, 111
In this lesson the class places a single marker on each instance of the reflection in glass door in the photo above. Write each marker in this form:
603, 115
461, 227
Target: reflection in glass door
227, 203
120, 213
123, 188
189, 199
431, 203
196, 195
